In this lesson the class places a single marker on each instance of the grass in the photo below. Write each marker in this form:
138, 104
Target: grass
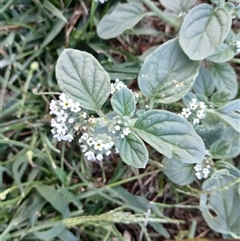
48, 191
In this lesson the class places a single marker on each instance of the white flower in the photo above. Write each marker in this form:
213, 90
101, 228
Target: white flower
90, 156
198, 167
90, 141
63, 97
84, 137
98, 146
84, 148
117, 128
70, 120
195, 121
201, 114
107, 153
75, 107
68, 137
65, 101
126, 131
62, 128
198, 175
238, 44
58, 136
62, 116
193, 104
53, 123
99, 157
186, 112
83, 114
202, 105
101, 1
53, 107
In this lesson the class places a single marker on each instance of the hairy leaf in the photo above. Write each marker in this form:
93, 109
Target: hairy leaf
178, 6
123, 17
123, 102
81, 77
171, 135
133, 151
204, 30
167, 74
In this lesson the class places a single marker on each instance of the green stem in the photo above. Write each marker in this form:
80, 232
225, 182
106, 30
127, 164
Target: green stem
235, 60
160, 14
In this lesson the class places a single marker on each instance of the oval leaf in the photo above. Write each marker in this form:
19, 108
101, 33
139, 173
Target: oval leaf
223, 203
225, 78
178, 172
171, 135
54, 198
167, 74
178, 6
50, 233
123, 102
221, 97
204, 30
204, 83
123, 17
133, 151
219, 149
223, 54
82, 78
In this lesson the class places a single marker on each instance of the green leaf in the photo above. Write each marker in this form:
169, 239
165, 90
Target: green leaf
178, 172
54, 198
133, 151
178, 6
223, 54
204, 30
124, 16
223, 203
225, 78
232, 106
82, 78
170, 134
50, 233
232, 118
123, 102
167, 74
225, 165
221, 97
219, 149
204, 82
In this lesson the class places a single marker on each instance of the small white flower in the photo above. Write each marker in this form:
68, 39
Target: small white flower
201, 114
99, 157
66, 104
202, 105
62, 116
198, 175
90, 156
84, 136
126, 131
84, 148
58, 136
186, 112
195, 121
70, 120
238, 44
75, 107
107, 153
83, 114
53, 107
53, 123
117, 128
63, 97
68, 137
98, 146
193, 104
90, 141
198, 167
62, 128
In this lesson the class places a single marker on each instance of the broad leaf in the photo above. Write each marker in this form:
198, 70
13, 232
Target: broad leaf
82, 78
124, 16
167, 74
178, 172
133, 151
54, 198
170, 134
223, 54
123, 102
221, 97
204, 30
178, 6
223, 203
232, 106
214, 116
225, 78
226, 165
219, 149
204, 82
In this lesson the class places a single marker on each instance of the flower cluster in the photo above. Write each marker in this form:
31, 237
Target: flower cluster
194, 112
117, 86
67, 114
119, 126
204, 169
95, 147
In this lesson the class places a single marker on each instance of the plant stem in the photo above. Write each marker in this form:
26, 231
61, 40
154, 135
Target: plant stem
160, 14
235, 60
